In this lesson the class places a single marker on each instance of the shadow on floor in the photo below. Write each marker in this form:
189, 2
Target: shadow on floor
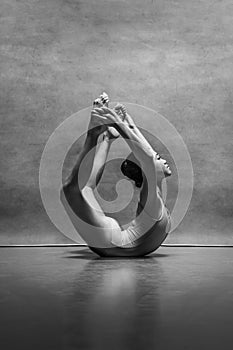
87, 254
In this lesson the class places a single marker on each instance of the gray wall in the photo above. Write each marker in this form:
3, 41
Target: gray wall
173, 56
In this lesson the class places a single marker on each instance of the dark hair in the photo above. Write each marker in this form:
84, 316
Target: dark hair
132, 171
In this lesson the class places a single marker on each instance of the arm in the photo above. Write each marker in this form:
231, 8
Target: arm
144, 191
126, 117
145, 154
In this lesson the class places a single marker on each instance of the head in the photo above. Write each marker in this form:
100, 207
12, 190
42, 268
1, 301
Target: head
163, 167
132, 171
130, 168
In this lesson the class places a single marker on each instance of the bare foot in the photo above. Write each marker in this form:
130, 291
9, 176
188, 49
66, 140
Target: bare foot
96, 126
97, 122
102, 100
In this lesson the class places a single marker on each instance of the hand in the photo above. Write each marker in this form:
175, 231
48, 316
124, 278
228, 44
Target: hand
112, 117
111, 133
121, 110
121, 120
112, 121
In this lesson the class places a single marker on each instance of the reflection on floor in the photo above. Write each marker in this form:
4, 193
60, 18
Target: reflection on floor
68, 298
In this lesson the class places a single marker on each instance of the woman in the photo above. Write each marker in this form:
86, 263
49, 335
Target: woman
146, 168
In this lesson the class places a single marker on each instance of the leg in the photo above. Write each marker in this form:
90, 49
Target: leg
78, 193
100, 157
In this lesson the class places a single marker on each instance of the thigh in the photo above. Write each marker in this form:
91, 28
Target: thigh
88, 218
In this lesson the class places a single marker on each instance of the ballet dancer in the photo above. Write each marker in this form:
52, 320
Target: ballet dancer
144, 167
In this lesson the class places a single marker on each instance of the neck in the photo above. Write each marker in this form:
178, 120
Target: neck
159, 185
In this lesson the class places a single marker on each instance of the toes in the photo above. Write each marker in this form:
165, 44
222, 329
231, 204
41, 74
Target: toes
97, 103
102, 100
99, 110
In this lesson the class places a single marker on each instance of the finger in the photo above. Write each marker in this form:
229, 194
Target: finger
118, 106
123, 109
97, 116
102, 118
95, 110
111, 118
98, 109
109, 111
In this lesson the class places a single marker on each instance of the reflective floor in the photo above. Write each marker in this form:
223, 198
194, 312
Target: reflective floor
68, 298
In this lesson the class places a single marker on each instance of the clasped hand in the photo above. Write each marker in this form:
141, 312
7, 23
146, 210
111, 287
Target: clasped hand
103, 117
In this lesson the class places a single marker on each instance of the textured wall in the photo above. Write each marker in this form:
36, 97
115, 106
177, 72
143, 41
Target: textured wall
172, 56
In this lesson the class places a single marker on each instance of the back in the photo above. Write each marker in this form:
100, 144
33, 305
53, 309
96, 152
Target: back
145, 244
